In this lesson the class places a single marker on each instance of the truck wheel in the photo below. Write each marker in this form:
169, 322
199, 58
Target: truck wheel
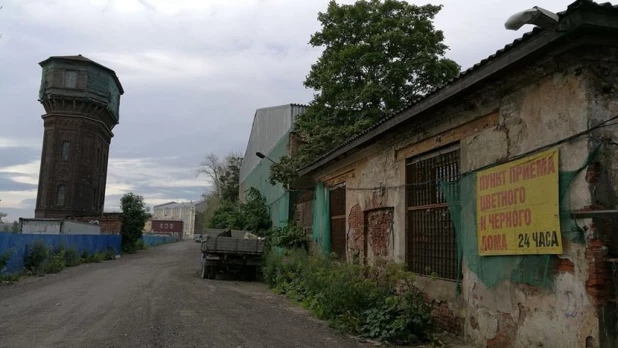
250, 273
212, 272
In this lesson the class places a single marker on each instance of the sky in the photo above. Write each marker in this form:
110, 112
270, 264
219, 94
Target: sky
193, 71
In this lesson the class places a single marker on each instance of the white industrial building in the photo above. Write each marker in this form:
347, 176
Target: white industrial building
184, 211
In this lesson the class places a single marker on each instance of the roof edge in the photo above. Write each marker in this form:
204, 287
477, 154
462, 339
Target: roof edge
86, 61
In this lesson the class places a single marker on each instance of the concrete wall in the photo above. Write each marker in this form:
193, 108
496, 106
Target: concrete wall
40, 226
74, 227
521, 111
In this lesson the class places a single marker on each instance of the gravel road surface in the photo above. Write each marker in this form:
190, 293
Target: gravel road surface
153, 299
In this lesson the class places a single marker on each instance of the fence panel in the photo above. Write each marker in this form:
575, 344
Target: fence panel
158, 240
18, 245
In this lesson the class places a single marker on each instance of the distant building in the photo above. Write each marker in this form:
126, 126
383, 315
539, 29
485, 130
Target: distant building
272, 135
171, 227
184, 211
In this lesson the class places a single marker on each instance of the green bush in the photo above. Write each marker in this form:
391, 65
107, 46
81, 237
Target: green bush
4, 258
140, 244
37, 257
72, 258
288, 237
85, 256
98, 257
110, 253
378, 302
56, 262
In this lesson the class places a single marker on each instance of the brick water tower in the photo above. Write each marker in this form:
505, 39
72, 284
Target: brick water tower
81, 100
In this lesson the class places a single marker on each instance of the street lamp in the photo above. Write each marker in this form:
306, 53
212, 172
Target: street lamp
263, 156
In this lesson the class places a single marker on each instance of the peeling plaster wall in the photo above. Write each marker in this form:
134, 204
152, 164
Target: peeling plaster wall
561, 94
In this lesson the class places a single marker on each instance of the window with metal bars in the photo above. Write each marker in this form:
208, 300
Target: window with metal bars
431, 242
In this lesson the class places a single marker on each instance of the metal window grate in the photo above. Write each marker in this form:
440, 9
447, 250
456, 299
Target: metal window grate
432, 245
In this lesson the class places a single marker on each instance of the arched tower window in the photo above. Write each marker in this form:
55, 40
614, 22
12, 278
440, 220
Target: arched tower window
64, 150
62, 189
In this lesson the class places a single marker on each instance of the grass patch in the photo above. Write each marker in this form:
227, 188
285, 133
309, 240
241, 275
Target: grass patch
377, 302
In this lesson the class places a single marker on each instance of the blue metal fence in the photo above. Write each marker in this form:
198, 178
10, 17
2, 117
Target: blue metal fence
18, 244
158, 240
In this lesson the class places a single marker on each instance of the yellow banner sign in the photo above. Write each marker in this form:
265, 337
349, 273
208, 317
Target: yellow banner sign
517, 207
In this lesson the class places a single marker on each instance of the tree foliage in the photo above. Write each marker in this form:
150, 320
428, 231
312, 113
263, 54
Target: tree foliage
134, 215
252, 215
223, 174
230, 177
379, 56
212, 168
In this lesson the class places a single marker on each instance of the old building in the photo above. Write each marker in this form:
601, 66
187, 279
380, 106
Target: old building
184, 211
272, 136
81, 100
499, 190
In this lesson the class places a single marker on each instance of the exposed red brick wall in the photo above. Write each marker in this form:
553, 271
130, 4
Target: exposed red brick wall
506, 334
445, 319
356, 233
379, 224
599, 239
599, 283
293, 144
110, 223
565, 265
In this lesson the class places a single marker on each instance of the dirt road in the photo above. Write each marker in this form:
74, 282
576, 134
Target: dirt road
153, 299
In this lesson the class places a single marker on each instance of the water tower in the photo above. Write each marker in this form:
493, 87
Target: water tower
81, 100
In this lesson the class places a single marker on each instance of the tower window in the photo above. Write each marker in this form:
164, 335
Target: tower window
65, 150
60, 195
70, 79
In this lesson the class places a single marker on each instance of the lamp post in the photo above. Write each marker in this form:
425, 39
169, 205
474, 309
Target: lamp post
263, 156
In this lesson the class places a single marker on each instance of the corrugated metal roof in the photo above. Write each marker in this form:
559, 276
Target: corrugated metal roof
270, 125
577, 5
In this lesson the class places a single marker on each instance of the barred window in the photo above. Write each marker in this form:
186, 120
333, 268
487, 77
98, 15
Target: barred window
431, 241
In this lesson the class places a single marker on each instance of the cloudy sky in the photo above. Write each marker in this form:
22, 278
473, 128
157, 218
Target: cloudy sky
194, 71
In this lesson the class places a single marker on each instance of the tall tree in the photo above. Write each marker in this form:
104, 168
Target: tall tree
378, 57
224, 177
134, 216
212, 168
230, 177
15, 227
